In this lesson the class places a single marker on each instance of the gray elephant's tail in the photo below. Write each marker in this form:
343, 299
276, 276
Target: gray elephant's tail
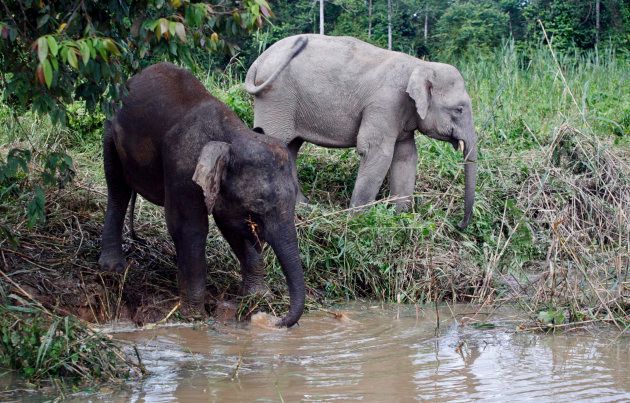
250, 80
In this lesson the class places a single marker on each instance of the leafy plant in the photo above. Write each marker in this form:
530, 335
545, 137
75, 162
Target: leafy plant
39, 345
56, 52
57, 170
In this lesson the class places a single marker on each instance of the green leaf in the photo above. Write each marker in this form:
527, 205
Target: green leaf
6, 234
41, 21
72, 58
100, 47
483, 325
111, 47
84, 48
48, 73
52, 45
47, 340
551, 317
180, 30
162, 27
171, 27
35, 208
42, 49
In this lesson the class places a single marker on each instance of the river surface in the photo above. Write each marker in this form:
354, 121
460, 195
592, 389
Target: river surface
375, 353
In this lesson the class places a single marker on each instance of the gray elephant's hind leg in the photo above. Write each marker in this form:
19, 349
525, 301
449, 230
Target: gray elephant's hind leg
402, 173
118, 194
376, 150
294, 148
248, 252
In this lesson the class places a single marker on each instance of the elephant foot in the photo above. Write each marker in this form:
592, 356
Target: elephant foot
112, 262
254, 288
193, 311
403, 205
226, 311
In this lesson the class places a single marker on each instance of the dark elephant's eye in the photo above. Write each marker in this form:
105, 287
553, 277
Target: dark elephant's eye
459, 110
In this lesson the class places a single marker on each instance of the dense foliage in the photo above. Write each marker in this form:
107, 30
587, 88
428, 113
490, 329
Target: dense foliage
53, 53
456, 26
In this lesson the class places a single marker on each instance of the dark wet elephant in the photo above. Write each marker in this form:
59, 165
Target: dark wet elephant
179, 147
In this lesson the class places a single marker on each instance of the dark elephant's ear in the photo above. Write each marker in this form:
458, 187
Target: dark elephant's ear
209, 171
419, 89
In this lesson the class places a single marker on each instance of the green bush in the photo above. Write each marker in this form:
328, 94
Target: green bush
39, 345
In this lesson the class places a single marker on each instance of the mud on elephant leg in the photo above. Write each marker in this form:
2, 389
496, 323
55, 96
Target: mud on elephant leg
118, 194
187, 223
402, 173
248, 252
376, 150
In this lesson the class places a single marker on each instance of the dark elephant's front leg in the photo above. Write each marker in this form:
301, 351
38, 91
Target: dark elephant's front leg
187, 222
118, 194
247, 248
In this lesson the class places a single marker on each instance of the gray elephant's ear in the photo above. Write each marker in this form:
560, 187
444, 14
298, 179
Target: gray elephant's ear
419, 89
209, 171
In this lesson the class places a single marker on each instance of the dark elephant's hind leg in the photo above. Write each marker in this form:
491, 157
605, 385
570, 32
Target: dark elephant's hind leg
187, 222
247, 249
132, 213
294, 148
118, 193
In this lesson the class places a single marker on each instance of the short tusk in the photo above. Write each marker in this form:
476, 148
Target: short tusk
461, 146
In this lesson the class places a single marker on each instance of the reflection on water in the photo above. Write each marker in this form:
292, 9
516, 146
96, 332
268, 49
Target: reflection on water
376, 356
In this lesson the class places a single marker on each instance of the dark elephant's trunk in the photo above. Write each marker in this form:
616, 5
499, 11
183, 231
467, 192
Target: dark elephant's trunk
283, 241
470, 176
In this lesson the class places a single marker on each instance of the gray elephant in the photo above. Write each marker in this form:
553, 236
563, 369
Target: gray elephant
342, 92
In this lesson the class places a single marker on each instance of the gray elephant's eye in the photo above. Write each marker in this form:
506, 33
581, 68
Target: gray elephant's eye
459, 109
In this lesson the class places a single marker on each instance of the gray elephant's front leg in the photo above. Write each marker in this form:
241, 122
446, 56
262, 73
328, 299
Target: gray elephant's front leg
376, 151
402, 173
294, 148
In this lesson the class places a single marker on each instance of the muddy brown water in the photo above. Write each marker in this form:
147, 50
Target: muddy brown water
375, 353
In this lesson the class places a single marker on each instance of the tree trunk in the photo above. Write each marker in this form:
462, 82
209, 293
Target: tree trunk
597, 6
426, 22
321, 17
369, 19
389, 24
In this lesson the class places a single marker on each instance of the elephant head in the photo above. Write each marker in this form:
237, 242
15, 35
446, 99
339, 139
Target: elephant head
249, 183
445, 113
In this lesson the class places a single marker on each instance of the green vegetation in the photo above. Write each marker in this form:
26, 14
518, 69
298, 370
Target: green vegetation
41, 345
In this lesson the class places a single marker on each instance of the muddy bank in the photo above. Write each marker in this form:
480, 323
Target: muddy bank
57, 266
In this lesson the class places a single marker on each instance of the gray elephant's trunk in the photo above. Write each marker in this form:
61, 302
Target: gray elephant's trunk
284, 243
470, 176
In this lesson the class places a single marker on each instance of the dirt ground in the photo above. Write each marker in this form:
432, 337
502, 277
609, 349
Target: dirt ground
57, 266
